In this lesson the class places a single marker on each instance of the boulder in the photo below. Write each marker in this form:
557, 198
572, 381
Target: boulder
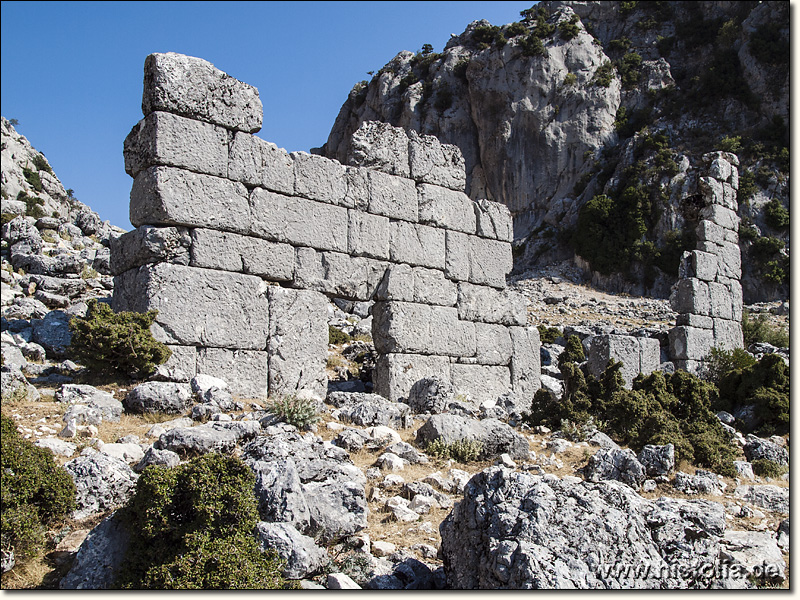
619, 465
369, 410
102, 482
495, 436
757, 448
430, 395
161, 458
191, 441
52, 333
657, 460
303, 557
702, 482
515, 530
770, 497
158, 397
102, 404
755, 550
99, 558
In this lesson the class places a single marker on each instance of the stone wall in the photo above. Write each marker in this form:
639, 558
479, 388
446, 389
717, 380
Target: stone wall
709, 294
238, 243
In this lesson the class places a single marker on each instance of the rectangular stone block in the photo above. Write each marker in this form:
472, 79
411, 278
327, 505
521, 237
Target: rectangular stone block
417, 245
245, 371
690, 343
367, 235
724, 217
623, 348
197, 307
708, 231
478, 260
256, 162
416, 284
442, 207
394, 374
729, 196
480, 383
298, 342
436, 163
338, 275
526, 365
493, 220
357, 194
393, 197
701, 265
691, 320
493, 344
690, 295
728, 334
162, 138
721, 301
181, 366
489, 305
148, 244
729, 258
298, 221
319, 178
242, 254
170, 196
650, 355
194, 88
406, 327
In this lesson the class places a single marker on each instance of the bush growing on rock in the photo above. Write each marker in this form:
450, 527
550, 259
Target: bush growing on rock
337, 336
192, 528
106, 341
36, 492
300, 412
463, 451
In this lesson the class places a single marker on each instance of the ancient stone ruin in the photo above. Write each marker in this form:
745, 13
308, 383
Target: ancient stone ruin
238, 243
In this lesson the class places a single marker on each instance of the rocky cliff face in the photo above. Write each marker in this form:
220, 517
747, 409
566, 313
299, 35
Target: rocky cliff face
615, 99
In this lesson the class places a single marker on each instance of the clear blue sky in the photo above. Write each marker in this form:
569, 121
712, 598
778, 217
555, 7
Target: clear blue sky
72, 71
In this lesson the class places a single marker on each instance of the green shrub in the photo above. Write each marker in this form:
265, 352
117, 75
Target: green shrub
604, 74
337, 336
767, 45
730, 144
629, 69
108, 342
36, 493
532, 45
33, 205
758, 329
463, 451
548, 335
767, 468
191, 527
720, 362
775, 215
747, 186
486, 35
570, 79
764, 384
627, 7
569, 29
573, 351
444, 99
620, 45
40, 162
515, 29
300, 412
33, 179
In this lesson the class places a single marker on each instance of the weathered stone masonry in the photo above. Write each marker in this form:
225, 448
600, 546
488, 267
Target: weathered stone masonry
238, 243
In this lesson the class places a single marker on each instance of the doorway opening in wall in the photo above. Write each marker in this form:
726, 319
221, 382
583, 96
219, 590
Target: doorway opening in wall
351, 352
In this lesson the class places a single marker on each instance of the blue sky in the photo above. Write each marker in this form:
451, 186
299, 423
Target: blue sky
72, 71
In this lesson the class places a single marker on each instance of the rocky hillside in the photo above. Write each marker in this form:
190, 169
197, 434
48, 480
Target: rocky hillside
586, 113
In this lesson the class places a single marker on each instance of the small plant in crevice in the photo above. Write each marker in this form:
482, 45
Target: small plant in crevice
300, 412
463, 451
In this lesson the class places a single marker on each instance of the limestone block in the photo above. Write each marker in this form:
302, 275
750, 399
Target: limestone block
728, 334
690, 366
701, 265
421, 329
478, 260
196, 89
712, 192
197, 307
242, 254
367, 235
380, 146
729, 197
436, 163
720, 169
256, 162
708, 231
446, 208
690, 295
394, 374
245, 371
690, 343
393, 197
493, 344
721, 301
357, 194
724, 217
416, 284
298, 221
417, 245
162, 138
480, 383
729, 258
526, 365
489, 305
735, 179
298, 342
649, 355
319, 178
691, 320
731, 236
730, 157
169, 196
493, 220
338, 275
181, 366
148, 244
623, 348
